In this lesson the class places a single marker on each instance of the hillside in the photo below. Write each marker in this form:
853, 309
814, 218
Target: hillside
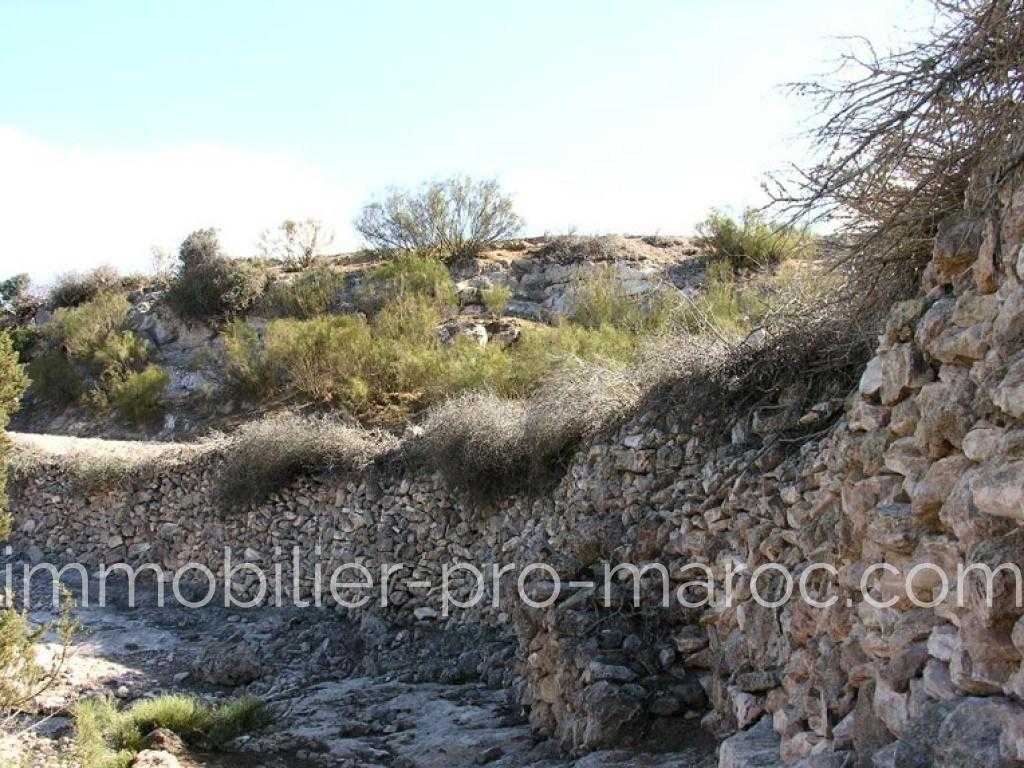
909, 461
499, 322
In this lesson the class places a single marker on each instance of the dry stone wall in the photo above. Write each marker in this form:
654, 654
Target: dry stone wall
924, 467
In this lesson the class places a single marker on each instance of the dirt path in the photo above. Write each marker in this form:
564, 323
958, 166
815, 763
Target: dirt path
63, 445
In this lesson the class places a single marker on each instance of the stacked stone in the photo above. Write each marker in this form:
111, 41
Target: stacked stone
923, 467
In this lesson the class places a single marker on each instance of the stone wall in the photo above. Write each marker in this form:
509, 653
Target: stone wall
924, 465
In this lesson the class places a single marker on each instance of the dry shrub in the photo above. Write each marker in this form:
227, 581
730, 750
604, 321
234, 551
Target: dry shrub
100, 471
572, 247
902, 135
208, 285
802, 360
72, 288
452, 219
488, 447
264, 456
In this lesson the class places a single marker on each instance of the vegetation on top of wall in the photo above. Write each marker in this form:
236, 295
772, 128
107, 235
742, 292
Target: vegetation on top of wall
452, 219
263, 456
489, 447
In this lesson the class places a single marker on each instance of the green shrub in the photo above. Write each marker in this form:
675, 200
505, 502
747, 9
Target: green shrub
312, 293
24, 338
12, 386
55, 379
83, 330
264, 456
600, 298
408, 274
208, 285
727, 308
245, 367
23, 677
108, 738
90, 338
496, 298
339, 360
452, 219
138, 397
752, 242
347, 362
13, 290
120, 353
325, 360
73, 289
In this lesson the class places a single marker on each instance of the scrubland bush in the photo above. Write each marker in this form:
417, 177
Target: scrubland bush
108, 738
489, 447
311, 294
92, 359
496, 298
363, 366
55, 379
395, 362
207, 285
81, 331
24, 339
726, 308
752, 242
265, 455
72, 288
12, 385
13, 290
572, 247
600, 298
295, 243
452, 219
138, 396
407, 274
22, 678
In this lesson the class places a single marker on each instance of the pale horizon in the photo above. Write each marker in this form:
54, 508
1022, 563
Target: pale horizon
231, 117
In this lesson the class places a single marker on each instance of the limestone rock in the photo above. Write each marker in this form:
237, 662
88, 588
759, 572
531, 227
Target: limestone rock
757, 746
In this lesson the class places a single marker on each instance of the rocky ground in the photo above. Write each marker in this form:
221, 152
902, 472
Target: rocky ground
341, 693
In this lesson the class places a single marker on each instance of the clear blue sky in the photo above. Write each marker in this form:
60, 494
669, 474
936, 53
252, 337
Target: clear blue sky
124, 124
